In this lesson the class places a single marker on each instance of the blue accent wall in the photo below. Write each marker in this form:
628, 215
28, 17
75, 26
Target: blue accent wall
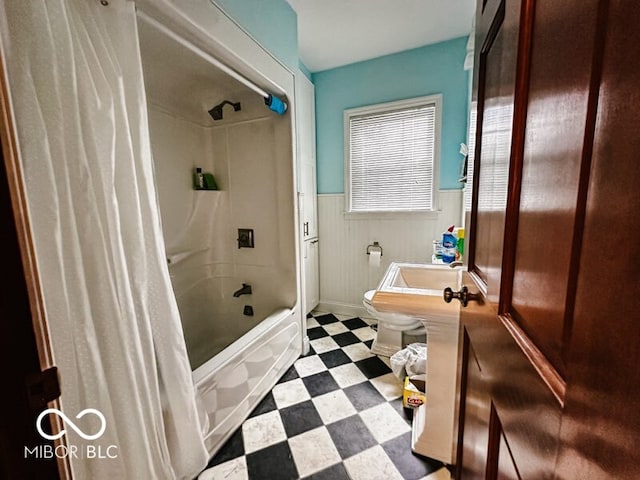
437, 68
273, 23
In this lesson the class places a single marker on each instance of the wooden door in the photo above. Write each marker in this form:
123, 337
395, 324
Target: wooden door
549, 385
25, 350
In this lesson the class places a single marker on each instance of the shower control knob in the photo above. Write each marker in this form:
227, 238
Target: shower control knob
463, 295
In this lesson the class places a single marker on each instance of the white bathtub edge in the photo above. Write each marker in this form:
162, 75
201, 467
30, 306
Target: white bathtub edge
257, 361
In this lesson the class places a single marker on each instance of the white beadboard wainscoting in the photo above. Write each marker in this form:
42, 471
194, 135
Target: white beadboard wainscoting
345, 273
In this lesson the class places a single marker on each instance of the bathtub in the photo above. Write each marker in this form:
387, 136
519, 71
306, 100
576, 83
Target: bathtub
236, 359
231, 384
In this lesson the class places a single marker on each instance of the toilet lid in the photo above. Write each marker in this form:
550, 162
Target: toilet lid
368, 296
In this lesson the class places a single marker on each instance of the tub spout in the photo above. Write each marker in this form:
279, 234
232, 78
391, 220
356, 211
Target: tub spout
245, 290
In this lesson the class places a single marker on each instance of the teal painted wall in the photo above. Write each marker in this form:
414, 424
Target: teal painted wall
305, 71
273, 23
437, 68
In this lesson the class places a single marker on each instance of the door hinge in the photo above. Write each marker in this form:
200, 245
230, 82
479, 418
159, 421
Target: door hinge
42, 387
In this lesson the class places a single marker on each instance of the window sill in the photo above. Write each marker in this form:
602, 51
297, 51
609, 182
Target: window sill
392, 215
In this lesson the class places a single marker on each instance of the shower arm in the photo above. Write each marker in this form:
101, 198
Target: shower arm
269, 99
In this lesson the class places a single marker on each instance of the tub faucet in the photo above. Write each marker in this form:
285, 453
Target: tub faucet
245, 290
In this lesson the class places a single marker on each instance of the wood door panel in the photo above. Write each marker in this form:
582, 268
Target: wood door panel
602, 421
472, 456
507, 469
497, 76
510, 385
559, 82
528, 411
554, 357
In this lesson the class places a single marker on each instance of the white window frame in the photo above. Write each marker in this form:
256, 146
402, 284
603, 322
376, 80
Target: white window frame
435, 100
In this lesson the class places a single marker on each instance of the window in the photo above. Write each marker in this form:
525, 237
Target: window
468, 186
392, 153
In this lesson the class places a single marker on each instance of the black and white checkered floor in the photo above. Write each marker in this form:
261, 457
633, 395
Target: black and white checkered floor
336, 414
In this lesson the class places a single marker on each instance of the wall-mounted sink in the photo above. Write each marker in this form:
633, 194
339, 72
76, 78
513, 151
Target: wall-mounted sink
416, 290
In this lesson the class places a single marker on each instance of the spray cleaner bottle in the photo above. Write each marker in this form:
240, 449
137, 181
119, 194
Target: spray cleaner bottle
449, 242
459, 233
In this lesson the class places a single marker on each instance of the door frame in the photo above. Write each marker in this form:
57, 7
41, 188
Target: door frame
29, 276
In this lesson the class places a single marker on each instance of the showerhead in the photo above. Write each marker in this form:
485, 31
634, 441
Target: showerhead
216, 112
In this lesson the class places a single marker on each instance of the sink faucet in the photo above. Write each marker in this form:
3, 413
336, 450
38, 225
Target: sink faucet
245, 290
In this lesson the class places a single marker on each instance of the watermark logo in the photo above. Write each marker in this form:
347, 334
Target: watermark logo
89, 451
68, 422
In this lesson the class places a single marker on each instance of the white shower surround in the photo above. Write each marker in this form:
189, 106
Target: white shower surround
250, 158
236, 359
256, 179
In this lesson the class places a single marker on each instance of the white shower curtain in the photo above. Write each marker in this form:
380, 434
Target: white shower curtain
77, 92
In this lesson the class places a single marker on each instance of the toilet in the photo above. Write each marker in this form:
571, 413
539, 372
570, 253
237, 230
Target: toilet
391, 328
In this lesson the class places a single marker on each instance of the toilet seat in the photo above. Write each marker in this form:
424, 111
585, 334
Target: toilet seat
368, 297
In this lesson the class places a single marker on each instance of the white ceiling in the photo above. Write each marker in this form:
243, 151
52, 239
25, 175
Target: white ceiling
332, 33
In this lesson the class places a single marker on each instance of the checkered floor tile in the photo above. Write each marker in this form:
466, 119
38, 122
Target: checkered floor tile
336, 414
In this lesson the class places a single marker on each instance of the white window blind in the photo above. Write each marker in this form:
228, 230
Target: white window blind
392, 157
468, 187
494, 157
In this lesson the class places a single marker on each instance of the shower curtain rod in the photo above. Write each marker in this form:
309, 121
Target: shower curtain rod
204, 55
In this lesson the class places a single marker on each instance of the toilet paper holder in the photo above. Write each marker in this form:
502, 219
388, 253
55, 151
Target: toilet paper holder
376, 247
